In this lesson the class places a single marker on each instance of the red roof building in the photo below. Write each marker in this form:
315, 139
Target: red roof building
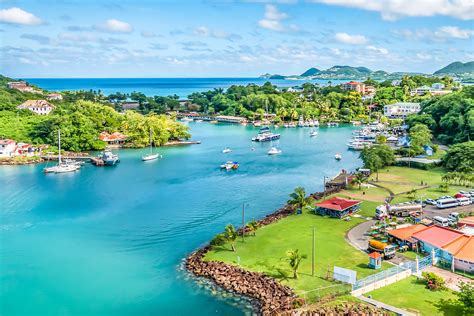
437, 236
354, 86
337, 207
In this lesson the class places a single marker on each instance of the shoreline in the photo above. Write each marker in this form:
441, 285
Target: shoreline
271, 296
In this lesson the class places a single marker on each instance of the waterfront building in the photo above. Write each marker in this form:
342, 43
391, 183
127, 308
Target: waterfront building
354, 86
41, 107
7, 148
54, 96
115, 139
435, 89
338, 207
401, 109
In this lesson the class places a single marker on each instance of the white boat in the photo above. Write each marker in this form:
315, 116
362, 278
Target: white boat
274, 151
229, 165
337, 156
199, 121
313, 133
333, 124
316, 123
151, 155
226, 150
186, 119
265, 135
109, 158
61, 167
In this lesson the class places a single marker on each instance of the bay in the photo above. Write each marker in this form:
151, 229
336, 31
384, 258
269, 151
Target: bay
110, 241
159, 86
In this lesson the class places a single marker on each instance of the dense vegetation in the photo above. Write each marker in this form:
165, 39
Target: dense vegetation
460, 157
81, 117
450, 117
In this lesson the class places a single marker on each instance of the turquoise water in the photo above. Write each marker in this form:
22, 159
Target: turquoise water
158, 86
109, 241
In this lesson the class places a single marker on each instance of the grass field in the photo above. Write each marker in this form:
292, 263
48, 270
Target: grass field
266, 252
412, 295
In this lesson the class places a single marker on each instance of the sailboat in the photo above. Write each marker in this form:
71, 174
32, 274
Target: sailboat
61, 167
151, 155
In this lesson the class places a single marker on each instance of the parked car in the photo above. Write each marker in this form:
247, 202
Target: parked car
423, 203
464, 201
453, 217
430, 201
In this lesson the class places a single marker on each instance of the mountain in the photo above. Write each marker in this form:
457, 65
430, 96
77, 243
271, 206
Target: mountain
310, 72
457, 68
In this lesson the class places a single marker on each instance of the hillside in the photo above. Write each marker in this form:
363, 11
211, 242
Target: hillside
457, 68
310, 72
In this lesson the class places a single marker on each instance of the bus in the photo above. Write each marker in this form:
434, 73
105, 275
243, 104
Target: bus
464, 201
445, 203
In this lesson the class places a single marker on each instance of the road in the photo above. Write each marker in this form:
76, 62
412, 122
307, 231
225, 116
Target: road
431, 211
357, 236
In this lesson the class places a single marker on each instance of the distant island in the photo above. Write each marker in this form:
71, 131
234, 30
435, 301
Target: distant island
463, 71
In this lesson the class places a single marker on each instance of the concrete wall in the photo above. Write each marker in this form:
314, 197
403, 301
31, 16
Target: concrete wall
392, 279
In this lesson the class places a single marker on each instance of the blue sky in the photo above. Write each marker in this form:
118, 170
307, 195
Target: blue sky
229, 38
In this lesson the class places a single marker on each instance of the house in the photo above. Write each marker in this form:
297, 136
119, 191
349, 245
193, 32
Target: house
21, 86
130, 105
435, 89
41, 107
7, 148
353, 86
54, 96
452, 246
401, 109
25, 150
337, 207
437, 86
115, 139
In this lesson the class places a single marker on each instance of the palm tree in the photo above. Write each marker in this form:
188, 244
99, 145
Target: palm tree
298, 199
359, 178
230, 235
252, 226
294, 260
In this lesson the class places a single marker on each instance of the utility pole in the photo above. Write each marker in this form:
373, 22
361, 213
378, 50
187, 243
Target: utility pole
312, 254
243, 222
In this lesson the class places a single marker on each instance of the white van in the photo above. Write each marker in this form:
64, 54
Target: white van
453, 217
464, 201
441, 221
445, 203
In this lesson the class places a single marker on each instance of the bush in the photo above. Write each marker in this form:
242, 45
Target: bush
433, 282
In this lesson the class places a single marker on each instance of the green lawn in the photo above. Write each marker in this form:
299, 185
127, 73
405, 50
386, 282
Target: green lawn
412, 295
266, 252
411, 255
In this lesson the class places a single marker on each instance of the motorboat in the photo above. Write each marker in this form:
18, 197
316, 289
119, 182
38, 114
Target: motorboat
313, 133
186, 119
198, 121
274, 151
338, 156
151, 155
265, 135
333, 124
230, 165
358, 145
227, 150
109, 158
61, 167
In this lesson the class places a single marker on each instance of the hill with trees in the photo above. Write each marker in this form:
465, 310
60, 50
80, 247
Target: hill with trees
457, 68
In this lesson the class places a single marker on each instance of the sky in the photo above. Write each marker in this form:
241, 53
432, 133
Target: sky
225, 38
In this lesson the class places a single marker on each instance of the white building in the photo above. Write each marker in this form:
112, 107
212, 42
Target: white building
54, 96
41, 107
401, 109
437, 86
7, 148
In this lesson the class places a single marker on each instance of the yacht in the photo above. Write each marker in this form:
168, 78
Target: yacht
313, 133
338, 156
316, 123
62, 167
274, 151
333, 124
109, 158
227, 150
151, 155
265, 135
230, 165
358, 145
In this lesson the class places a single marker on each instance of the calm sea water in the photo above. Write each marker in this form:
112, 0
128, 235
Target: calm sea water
158, 86
109, 241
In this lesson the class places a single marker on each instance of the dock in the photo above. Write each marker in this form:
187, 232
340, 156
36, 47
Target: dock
97, 161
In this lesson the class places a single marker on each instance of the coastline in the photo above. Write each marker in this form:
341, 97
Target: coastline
271, 296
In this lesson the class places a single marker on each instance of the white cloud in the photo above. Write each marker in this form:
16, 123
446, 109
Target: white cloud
351, 39
115, 26
394, 9
148, 34
206, 32
380, 50
201, 31
273, 19
423, 56
453, 32
18, 16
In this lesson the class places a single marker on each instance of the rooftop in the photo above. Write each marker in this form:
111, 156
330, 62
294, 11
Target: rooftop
337, 203
375, 255
466, 252
469, 220
6, 141
406, 232
35, 103
437, 236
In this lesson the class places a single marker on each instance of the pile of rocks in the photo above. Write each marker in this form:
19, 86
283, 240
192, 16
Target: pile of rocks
273, 297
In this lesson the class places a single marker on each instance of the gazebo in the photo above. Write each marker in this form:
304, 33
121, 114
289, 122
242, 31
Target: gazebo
337, 207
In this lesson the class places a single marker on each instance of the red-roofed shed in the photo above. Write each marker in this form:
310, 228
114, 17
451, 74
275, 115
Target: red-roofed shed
337, 207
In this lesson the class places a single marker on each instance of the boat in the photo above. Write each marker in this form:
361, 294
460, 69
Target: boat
333, 124
313, 133
226, 150
61, 167
186, 119
358, 145
213, 122
230, 165
338, 156
151, 155
198, 121
316, 123
109, 158
301, 122
265, 135
274, 151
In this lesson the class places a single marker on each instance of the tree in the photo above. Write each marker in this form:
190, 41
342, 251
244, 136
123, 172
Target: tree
359, 178
298, 199
252, 227
377, 157
466, 295
420, 135
460, 157
230, 235
294, 260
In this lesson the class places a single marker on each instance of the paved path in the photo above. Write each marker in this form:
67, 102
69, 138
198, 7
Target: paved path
387, 307
452, 279
357, 236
